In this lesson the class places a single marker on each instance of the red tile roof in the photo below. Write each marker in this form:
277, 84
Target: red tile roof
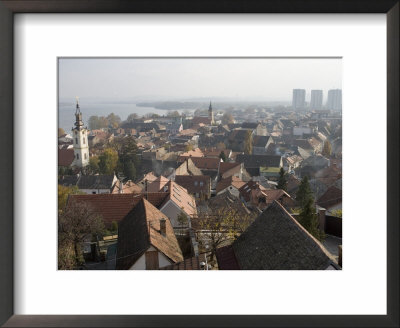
230, 181
205, 163
139, 230
114, 207
65, 157
331, 197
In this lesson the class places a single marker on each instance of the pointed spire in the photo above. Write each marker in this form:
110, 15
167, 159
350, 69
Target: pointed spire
78, 110
78, 115
210, 107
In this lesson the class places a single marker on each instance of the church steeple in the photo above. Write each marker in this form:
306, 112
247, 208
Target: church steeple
78, 116
211, 114
80, 135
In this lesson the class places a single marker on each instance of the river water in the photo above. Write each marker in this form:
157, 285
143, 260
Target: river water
66, 117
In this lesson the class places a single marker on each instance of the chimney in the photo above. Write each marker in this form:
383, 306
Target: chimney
321, 217
145, 185
163, 226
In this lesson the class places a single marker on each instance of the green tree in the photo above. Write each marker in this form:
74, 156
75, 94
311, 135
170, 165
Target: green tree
132, 117
327, 150
108, 161
338, 213
282, 181
227, 118
128, 158
189, 147
182, 219
173, 114
60, 132
63, 193
308, 218
94, 164
74, 225
304, 192
222, 155
114, 226
113, 120
248, 142
96, 122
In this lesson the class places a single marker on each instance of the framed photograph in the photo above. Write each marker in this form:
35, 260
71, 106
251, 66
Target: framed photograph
145, 143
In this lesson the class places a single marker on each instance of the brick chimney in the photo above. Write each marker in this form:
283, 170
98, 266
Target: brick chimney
321, 217
163, 226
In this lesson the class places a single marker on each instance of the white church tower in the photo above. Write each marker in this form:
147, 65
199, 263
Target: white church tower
80, 136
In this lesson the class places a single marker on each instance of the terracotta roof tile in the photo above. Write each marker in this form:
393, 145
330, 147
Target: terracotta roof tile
65, 157
139, 230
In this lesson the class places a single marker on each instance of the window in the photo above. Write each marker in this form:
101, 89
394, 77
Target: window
77, 156
76, 140
85, 155
201, 183
151, 260
84, 140
195, 183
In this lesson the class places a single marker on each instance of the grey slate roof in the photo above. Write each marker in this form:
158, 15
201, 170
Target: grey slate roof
95, 181
260, 141
276, 241
256, 161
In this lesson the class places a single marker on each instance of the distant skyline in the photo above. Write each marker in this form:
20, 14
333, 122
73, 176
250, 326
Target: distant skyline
266, 79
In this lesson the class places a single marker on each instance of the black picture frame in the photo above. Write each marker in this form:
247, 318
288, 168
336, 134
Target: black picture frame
7, 10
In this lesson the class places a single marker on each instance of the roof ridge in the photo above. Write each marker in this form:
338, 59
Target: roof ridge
277, 205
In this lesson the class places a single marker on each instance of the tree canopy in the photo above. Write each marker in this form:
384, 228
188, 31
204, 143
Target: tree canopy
308, 218
304, 192
108, 161
75, 224
227, 118
248, 143
282, 182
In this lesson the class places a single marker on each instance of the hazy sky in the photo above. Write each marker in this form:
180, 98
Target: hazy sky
250, 79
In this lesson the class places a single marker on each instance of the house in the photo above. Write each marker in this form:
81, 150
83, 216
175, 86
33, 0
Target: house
147, 179
231, 184
227, 200
114, 207
197, 120
91, 184
65, 157
192, 263
331, 200
146, 240
178, 201
158, 184
128, 187
245, 190
261, 144
291, 163
275, 241
266, 165
205, 163
227, 169
188, 168
196, 185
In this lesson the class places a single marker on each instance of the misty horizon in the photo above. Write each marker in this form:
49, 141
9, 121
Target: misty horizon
195, 79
